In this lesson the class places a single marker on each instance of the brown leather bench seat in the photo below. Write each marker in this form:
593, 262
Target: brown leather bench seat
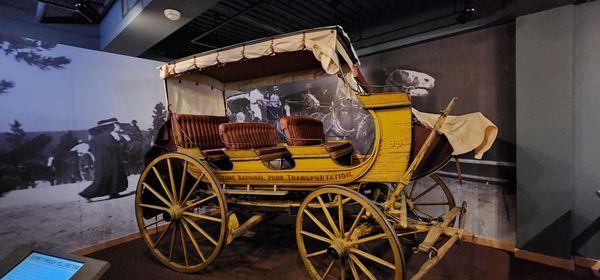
201, 132
304, 131
261, 137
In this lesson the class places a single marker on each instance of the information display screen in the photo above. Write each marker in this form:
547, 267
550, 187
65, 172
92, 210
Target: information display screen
43, 267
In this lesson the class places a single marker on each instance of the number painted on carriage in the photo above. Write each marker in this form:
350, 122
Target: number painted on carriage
395, 143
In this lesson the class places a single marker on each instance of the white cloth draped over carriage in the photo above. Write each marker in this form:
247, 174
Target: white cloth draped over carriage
199, 79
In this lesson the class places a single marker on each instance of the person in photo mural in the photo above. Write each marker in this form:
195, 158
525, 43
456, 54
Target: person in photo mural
110, 177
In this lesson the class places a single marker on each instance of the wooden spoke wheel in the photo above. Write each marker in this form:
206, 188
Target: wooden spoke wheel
181, 212
429, 199
341, 234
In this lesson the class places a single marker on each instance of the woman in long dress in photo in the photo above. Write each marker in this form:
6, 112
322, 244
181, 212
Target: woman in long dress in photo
109, 171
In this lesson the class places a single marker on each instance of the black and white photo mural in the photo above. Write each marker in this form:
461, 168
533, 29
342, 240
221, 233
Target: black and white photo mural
322, 98
71, 143
478, 67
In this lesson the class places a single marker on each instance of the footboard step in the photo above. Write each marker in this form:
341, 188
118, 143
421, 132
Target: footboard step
254, 192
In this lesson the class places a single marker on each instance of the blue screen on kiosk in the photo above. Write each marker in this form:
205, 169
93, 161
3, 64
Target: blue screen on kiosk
41, 266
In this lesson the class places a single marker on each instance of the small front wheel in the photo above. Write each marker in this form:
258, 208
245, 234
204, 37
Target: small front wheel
181, 212
341, 234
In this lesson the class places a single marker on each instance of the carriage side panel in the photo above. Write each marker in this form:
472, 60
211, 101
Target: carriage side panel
392, 118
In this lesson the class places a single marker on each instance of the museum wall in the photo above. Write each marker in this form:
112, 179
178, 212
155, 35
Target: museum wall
51, 100
478, 68
544, 111
586, 85
557, 127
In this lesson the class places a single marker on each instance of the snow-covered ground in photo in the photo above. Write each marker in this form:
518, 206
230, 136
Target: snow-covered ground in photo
56, 217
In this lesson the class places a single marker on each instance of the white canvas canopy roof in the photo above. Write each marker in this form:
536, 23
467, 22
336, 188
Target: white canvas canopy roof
285, 58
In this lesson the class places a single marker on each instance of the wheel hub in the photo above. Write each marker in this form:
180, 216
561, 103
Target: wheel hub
338, 249
173, 213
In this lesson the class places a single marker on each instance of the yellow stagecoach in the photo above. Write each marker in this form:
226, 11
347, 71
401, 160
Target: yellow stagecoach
208, 180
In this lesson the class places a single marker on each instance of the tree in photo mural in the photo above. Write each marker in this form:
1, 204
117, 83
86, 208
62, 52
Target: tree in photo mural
158, 118
22, 163
31, 52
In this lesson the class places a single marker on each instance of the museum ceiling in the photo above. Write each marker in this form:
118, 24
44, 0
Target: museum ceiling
367, 22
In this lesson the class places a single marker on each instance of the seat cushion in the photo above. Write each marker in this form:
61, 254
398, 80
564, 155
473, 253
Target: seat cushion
336, 146
270, 150
214, 154
302, 131
197, 131
248, 135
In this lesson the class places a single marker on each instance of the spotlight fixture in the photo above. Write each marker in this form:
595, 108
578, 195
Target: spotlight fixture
468, 13
87, 11
172, 14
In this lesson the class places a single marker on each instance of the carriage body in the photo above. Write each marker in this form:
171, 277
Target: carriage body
200, 158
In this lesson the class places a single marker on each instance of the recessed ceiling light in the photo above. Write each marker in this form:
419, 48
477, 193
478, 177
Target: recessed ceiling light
172, 14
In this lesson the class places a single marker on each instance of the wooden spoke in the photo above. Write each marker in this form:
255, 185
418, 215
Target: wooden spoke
196, 203
328, 269
355, 223
372, 258
317, 237
163, 184
362, 267
432, 203
172, 241
183, 176
162, 235
342, 271
193, 188
424, 212
425, 192
410, 232
201, 231
201, 216
319, 224
346, 200
185, 256
153, 207
340, 214
370, 238
317, 253
328, 216
153, 223
191, 236
353, 269
172, 179
157, 195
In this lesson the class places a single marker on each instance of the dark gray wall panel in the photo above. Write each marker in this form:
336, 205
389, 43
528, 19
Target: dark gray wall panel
544, 131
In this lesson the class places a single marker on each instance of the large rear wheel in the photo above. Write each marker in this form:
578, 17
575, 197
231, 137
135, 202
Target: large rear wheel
341, 234
181, 212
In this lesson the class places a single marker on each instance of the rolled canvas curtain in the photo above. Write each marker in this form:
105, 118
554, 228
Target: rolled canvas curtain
187, 93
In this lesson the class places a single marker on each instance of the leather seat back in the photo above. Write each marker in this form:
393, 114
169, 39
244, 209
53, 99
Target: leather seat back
302, 131
248, 135
197, 131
